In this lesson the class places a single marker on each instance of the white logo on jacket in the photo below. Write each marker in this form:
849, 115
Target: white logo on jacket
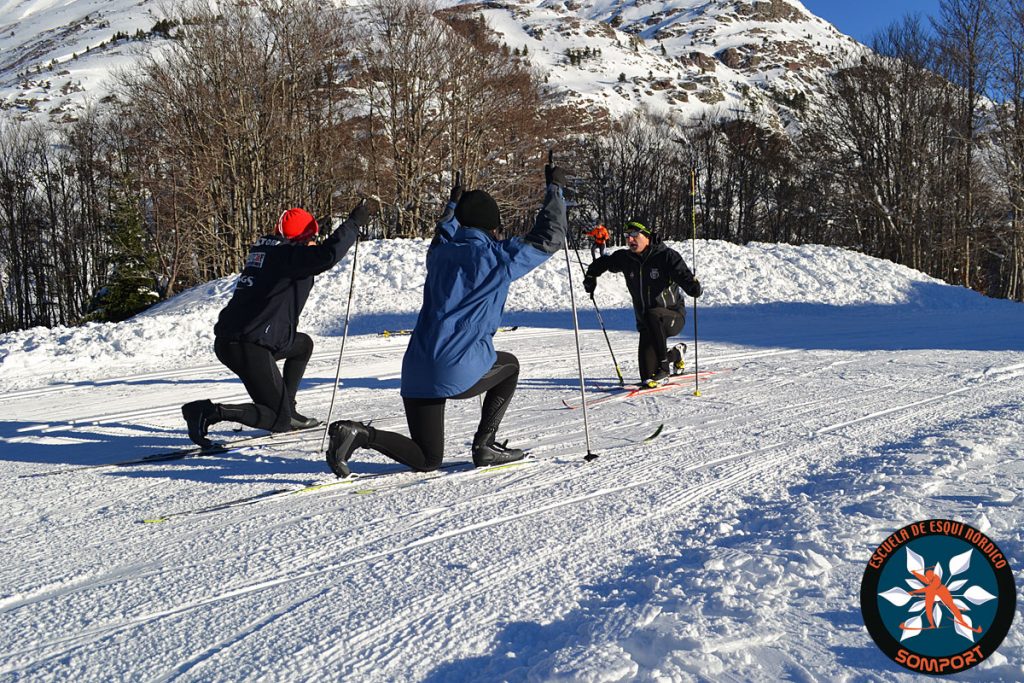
655, 274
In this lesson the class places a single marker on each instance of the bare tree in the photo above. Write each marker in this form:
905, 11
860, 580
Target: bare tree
884, 134
442, 96
966, 41
241, 116
1007, 163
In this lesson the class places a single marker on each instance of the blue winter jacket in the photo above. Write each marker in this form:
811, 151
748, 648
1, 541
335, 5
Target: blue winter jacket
468, 276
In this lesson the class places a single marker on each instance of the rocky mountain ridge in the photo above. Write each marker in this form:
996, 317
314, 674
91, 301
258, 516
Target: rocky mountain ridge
682, 58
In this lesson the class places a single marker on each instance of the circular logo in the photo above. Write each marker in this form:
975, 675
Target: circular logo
938, 597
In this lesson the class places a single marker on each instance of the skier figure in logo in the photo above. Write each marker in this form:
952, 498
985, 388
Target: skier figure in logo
257, 328
933, 589
654, 273
451, 352
599, 236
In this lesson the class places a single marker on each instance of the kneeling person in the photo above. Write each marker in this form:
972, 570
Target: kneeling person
653, 273
451, 352
257, 328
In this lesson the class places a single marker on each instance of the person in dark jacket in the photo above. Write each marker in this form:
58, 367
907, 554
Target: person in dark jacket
654, 273
451, 352
258, 326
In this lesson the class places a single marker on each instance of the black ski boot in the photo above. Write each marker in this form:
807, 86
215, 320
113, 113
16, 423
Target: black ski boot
660, 378
199, 415
675, 358
486, 452
346, 436
303, 422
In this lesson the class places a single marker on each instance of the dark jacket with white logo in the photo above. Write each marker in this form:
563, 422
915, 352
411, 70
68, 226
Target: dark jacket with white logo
653, 277
274, 285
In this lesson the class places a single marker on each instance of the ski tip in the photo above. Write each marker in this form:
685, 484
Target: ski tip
525, 460
657, 432
316, 487
155, 520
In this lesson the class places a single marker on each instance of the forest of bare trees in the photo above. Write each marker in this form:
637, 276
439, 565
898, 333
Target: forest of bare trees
915, 153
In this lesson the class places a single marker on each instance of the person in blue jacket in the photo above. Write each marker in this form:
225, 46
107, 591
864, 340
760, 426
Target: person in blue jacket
451, 352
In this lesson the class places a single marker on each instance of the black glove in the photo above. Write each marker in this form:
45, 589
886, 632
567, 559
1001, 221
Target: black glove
589, 284
366, 209
455, 195
554, 175
697, 289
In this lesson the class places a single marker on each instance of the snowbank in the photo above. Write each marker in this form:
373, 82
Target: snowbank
390, 280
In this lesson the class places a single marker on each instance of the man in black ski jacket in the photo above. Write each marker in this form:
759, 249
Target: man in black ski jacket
258, 326
654, 273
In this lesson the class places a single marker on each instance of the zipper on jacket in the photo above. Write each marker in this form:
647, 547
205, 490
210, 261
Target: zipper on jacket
645, 292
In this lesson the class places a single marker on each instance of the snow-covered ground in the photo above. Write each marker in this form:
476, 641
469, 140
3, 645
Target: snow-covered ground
862, 396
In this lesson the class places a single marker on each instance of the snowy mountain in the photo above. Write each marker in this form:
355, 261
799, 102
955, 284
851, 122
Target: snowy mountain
764, 57
850, 397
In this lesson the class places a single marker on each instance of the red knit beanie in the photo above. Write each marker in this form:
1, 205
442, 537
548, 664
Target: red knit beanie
297, 225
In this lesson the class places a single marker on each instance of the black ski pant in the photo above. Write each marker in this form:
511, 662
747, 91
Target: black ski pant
272, 393
657, 325
596, 250
425, 416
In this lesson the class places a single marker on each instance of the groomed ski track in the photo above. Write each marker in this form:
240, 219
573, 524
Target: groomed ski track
564, 568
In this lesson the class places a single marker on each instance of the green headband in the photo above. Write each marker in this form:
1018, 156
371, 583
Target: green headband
636, 226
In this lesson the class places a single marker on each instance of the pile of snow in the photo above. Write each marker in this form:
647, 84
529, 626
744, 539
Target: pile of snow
389, 281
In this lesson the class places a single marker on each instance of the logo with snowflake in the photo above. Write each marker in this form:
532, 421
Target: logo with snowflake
931, 599
938, 596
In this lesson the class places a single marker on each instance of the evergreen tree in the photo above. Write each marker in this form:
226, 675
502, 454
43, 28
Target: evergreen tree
130, 287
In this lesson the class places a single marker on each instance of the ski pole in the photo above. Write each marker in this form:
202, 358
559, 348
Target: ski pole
600, 318
693, 214
590, 456
344, 337
579, 357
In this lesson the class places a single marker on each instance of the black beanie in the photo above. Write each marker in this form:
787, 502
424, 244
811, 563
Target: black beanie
477, 209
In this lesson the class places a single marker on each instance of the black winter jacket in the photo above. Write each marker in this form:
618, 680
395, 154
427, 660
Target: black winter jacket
653, 277
273, 287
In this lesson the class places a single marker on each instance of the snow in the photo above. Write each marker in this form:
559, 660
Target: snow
863, 396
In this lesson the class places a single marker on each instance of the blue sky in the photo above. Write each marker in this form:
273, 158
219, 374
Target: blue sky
863, 18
